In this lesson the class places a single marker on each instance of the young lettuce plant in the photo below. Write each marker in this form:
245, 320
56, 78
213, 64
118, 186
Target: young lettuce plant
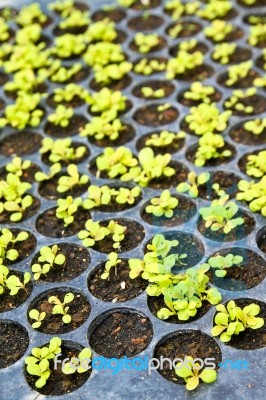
12, 283
194, 181
17, 166
211, 147
112, 262
219, 215
49, 258
192, 373
214, 11
67, 183
61, 150
118, 233
147, 67
163, 205
42, 176
62, 116
184, 62
69, 92
257, 34
94, 233
218, 30
146, 42
127, 196
102, 127
236, 72
37, 316
206, 118
223, 52
7, 243
231, 320
256, 164
101, 31
29, 14
107, 102
65, 74
83, 356
237, 101
221, 264
254, 194
256, 126
103, 53
38, 363
61, 308
164, 138
149, 92
198, 92
98, 196
116, 162
66, 208
111, 72
69, 45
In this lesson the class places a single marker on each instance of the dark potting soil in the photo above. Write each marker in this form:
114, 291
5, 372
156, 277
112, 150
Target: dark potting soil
75, 145
121, 36
29, 212
145, 23
161, 45
12, 350
77, 261
48, 225
9, 302
175, 146
215, 97
188, 244
115, 15
185, 210
114, 85
118, 287
75, 102
2, 104
213, 162
24, 248
250, 339
227, 181
48, 189
57, 31
200, 73
258, 103
120, 333
79, 309
261, 62
20, 144
76, 123
3, 78
189, 28
134, 235
246, 275
168, 88
238, 233
183, 343
125, 136
261, 239
150, 116
240, 135
156, 303
58, 383
241, 83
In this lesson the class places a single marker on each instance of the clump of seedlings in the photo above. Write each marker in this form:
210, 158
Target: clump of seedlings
256, 126
218, 30
192, 373
237, 72
95, 232
112, 72
146, 42
61, 150
192, 186
206, 118
148, 67
49, 258
67, 208
214, 11
163, 205
221, 264
103, 53
102, 127
254, 194
211, 147
220, 215
231, 320
11, 284
8, 241
256, 164
199, 92
223, 52
83, 357
237, 101
69, 92
184, 62
61, 116
149, 92
17, 166
164, 138
68, 182
112, 262
257, 35
69, 45
177, 8
61, 308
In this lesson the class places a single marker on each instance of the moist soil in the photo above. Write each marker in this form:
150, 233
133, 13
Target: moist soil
185, 210
48, 225
200, 46
155, 85
114, 85
246, 275
240, 135
149, 58
227, 181
58, 383
118, 287
200, 73
79, 309
12, 350
115, 15
241, 83
9, 302
76, 123
121, 333
184, 343
75, 102
20, 144
77, 261
181, 172
134, 235
150, 116
143, 23
189, 28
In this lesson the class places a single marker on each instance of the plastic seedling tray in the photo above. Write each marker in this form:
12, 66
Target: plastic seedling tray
231, 383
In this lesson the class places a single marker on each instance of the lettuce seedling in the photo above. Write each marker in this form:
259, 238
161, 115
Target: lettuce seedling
164, 138
42, 176
66, 208
256, 164
85, 354
163, 205
111, 72
94, 233
29, 14
101, 31
61, 116
17, 166
60, 307
8, 241
38, 317
256, 126
254, 194
12, 282
257, 34
194, 181
4, 30
236, 72
98, 196
219, 215
210, 148
231, 320
183, 62
112, 262
222, 52
29, 34
206, 118
102, 127
75, 19
148, 67
237, 100
69, 92
116, 162
69, 45
218, 30
49, 258
214, 11
192, 372
17, 210
198, 92
38, 364
108, 102
64, 74
61, 150
146, 42
67, 183
221, 264
177, 8
63, 7
118, 233
103, 53
149, 92
127, 196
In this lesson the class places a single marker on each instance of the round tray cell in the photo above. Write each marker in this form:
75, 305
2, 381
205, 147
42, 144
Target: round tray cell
261, 239
12, 350
20, 144
8, 302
